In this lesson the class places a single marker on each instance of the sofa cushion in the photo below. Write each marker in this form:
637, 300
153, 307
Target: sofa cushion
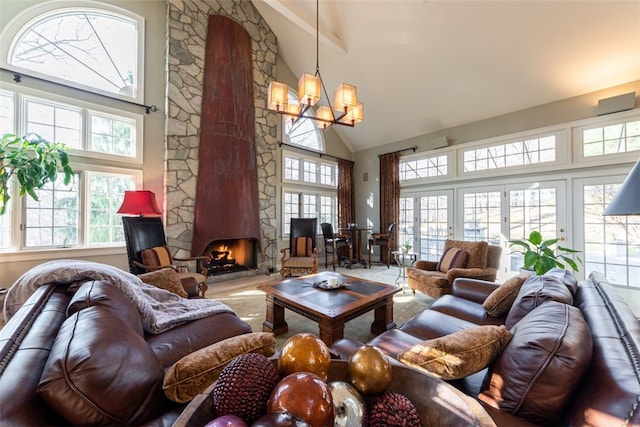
539, 369
535, 291
166, 279
104, 294
160, 255
452, 258
192, 374
101, 372
500, 301
302, 246
459, 354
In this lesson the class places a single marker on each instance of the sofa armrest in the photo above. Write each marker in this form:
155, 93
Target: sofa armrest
475, 290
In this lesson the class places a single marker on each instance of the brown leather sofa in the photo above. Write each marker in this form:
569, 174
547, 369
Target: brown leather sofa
78, 355
604, 391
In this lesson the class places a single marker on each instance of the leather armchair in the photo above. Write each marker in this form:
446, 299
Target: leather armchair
431, 278
301, 257
147, 251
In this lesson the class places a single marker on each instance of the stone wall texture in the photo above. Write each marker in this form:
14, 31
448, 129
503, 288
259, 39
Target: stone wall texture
186, 38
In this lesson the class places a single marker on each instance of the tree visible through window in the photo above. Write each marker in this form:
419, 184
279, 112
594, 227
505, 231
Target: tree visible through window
92, 48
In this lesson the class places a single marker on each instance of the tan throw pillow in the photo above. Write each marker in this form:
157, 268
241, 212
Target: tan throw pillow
500, 301
302, 247
155, 257
453, 258
192, 374
166, 279
459, 354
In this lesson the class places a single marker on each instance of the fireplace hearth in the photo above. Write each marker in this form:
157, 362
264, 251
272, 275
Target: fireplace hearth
231, 255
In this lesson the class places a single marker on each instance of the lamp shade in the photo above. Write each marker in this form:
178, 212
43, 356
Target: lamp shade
277, 96
142, 202
627, 199
309, 89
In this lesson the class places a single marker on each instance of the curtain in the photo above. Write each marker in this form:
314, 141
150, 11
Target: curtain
346, 206
389, 196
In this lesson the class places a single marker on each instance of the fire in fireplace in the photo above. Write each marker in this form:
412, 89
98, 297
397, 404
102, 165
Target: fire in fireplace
231, 255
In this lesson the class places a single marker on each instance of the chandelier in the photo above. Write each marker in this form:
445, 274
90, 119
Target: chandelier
346, 109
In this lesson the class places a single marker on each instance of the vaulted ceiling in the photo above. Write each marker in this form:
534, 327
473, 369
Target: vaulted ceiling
421, 66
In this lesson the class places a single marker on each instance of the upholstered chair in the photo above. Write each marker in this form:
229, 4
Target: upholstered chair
147, 251
301, 257
476, 260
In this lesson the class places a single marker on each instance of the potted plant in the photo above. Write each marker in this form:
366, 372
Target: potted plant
34, 162
543, 255
406, 246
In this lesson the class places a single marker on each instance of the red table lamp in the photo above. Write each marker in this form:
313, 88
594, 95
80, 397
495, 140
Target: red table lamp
140, 203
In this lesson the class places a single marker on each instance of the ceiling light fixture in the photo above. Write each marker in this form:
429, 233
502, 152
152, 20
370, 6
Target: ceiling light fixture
348, 111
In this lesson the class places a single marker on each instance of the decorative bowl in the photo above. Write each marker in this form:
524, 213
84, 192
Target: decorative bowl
438, 403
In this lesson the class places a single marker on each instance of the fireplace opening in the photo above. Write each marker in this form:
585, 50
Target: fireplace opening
231, 255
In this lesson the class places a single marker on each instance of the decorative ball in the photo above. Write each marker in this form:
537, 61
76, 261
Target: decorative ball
304, 352
244, 386
348, 405
226, 421
305, 395
394, 410
280, 419
369, 370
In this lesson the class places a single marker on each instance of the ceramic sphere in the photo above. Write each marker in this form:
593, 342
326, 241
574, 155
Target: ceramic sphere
369, 370
304, 352
306, 396
227, 421
280, 419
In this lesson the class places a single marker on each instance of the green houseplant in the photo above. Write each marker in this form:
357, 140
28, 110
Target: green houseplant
543, 255
33, 161
406, 246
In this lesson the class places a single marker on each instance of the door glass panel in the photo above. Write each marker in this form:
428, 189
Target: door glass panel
435, 224
482, 216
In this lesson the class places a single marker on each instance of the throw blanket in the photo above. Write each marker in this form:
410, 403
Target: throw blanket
159, 309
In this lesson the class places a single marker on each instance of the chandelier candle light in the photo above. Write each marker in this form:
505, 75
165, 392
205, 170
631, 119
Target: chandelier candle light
348, 111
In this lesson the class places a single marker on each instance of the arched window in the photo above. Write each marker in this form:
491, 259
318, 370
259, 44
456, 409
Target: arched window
96, 49
303, 132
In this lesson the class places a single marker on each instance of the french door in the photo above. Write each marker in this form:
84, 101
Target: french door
494, 214
431, 215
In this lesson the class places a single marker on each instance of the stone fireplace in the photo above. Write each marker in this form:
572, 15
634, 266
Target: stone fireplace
187, 27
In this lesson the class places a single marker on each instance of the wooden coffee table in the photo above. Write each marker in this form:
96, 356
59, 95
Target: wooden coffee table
331, 308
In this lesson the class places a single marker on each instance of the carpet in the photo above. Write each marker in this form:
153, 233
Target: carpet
243, 297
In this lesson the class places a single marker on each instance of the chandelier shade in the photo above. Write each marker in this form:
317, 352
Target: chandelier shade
139, 203
346, 110
278, 96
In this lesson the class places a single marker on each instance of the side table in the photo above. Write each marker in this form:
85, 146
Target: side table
402, 258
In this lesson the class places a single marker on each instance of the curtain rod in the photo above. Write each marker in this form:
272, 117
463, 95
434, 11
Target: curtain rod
414, 148
280, 143
17, 77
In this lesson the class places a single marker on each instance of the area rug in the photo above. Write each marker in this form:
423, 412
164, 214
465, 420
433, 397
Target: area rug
243, 296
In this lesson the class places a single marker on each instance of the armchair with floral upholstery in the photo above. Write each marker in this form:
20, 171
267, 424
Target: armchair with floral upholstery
476, 260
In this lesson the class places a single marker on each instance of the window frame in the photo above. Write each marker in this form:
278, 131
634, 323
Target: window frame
32, 15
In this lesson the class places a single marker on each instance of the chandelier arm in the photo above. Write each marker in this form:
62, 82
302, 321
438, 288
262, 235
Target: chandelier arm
304, 116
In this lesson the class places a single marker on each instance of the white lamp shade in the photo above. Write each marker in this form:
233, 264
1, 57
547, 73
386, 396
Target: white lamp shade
278, 96
326, 115
354, 114
627, 199
309, 89
345, 96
